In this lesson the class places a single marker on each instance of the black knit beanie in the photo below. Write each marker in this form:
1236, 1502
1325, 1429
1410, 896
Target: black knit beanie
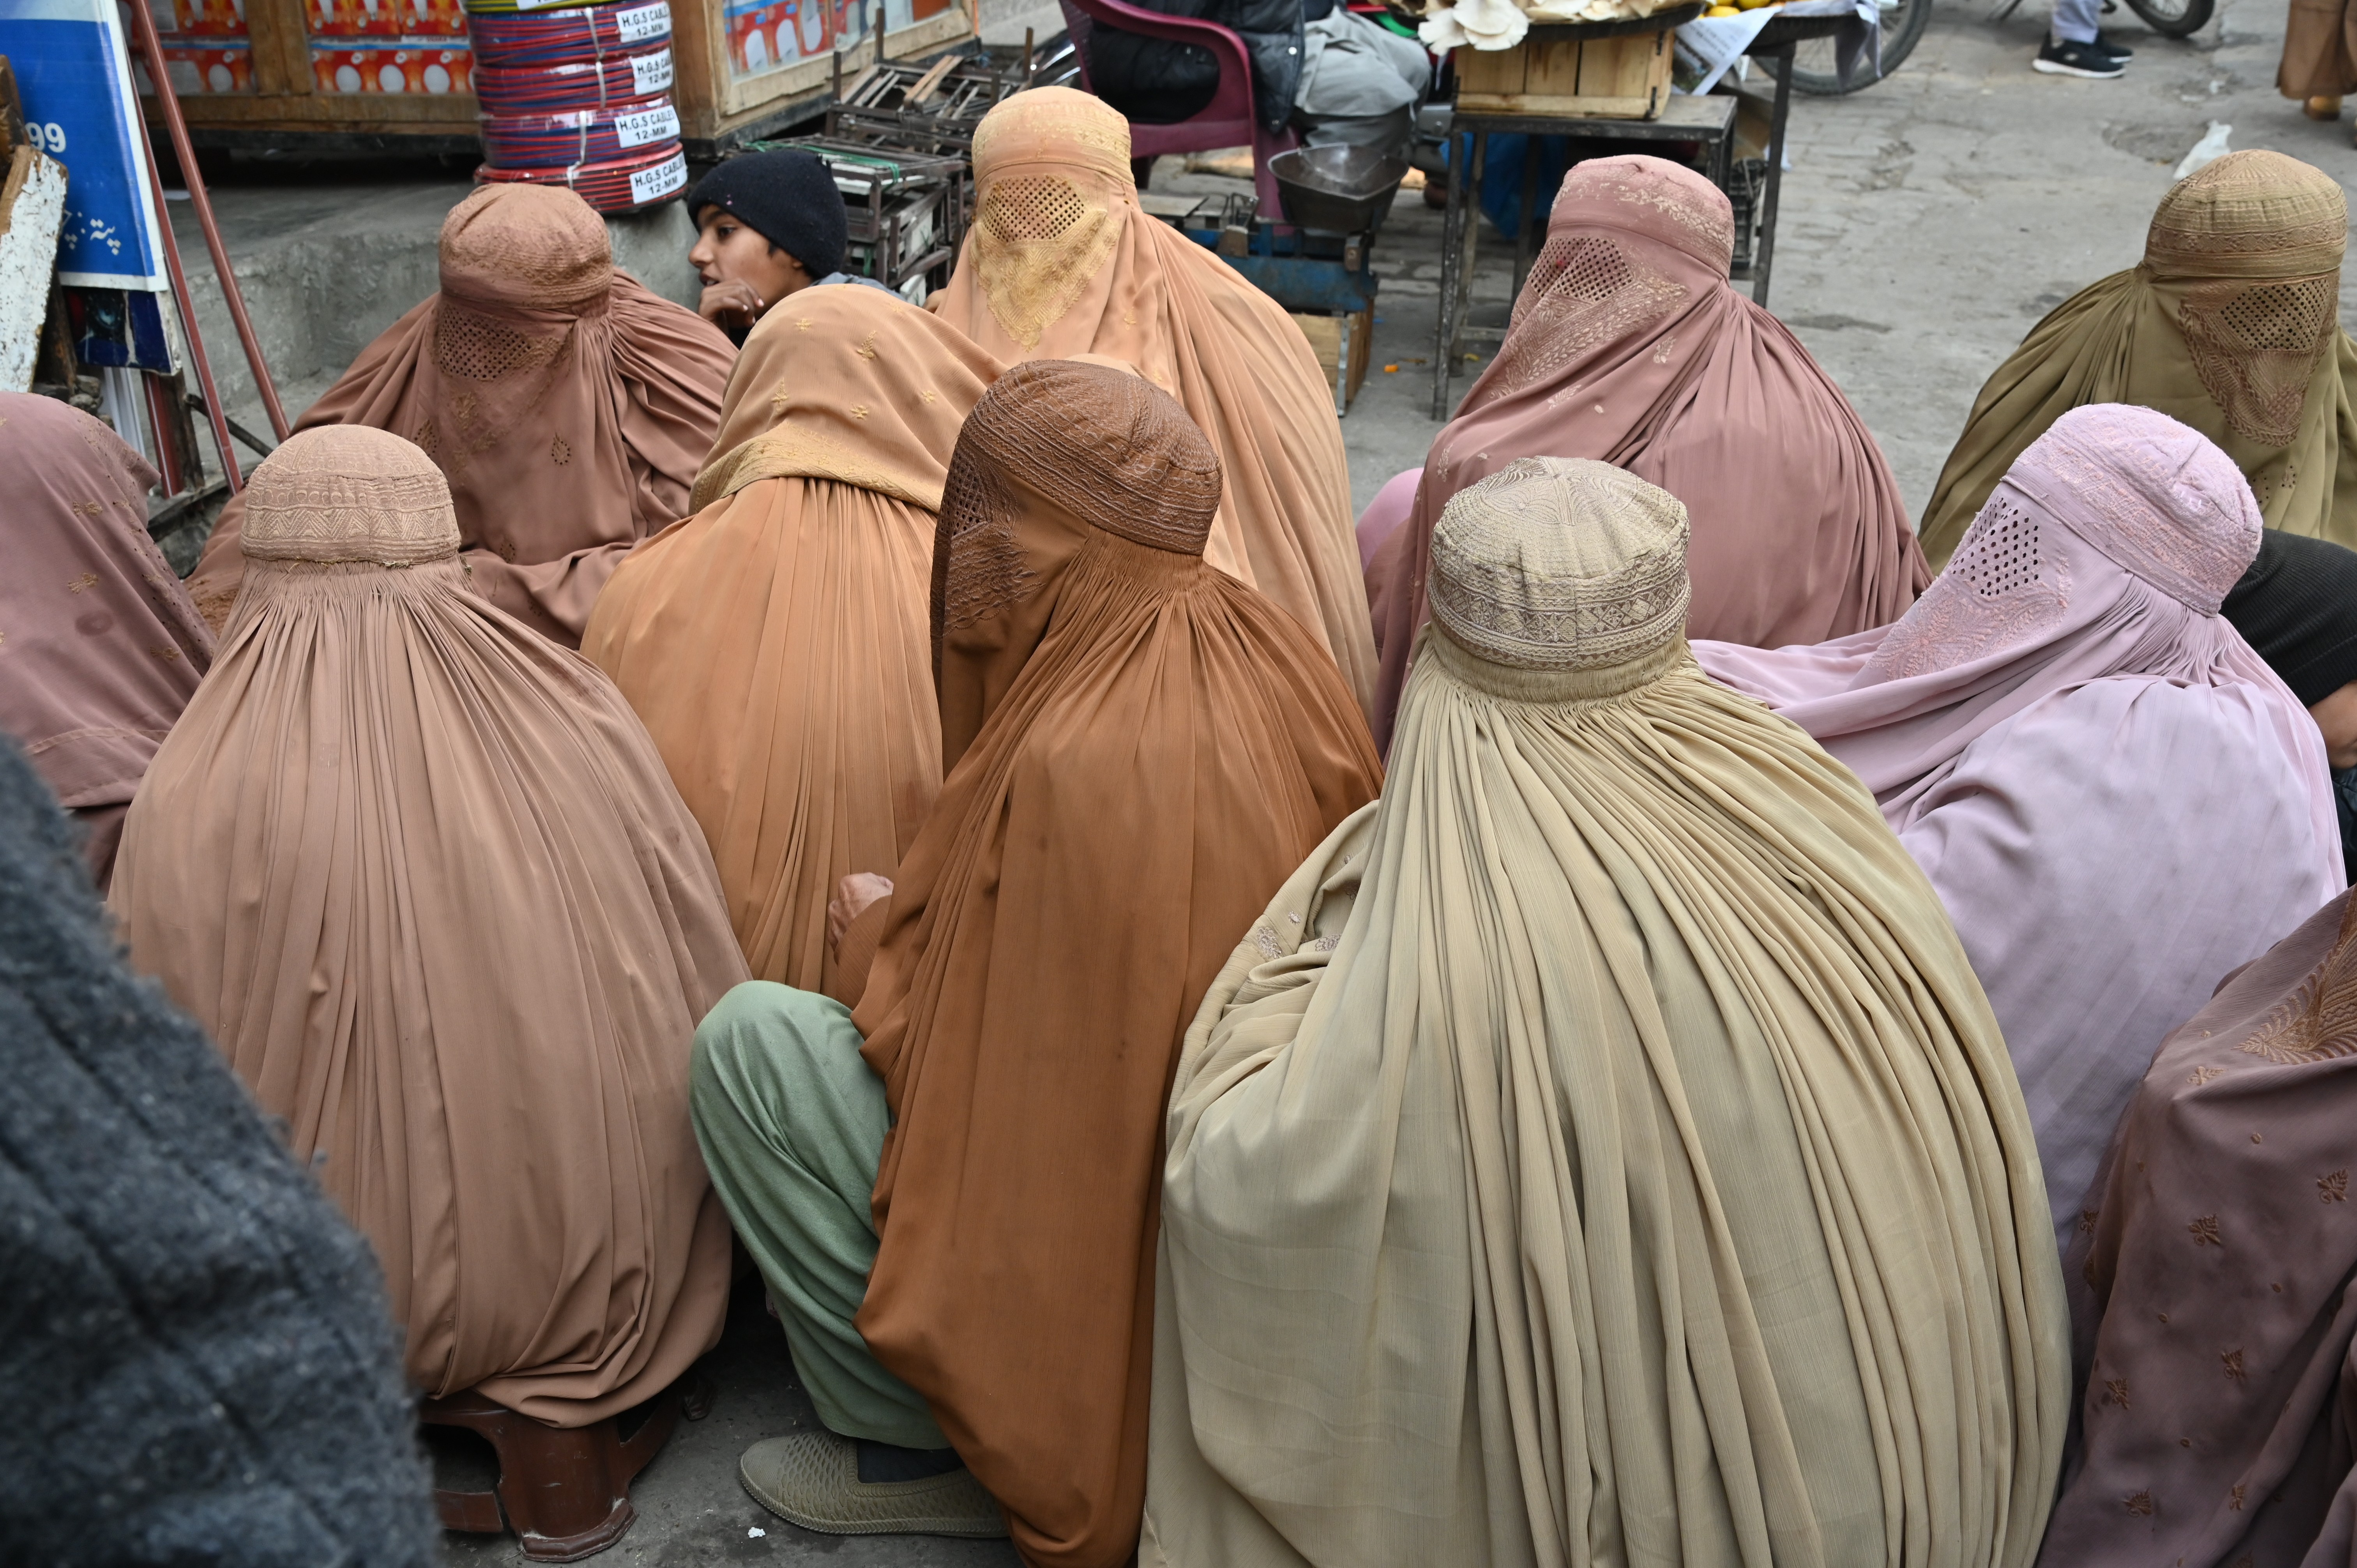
787, 197
2298, 606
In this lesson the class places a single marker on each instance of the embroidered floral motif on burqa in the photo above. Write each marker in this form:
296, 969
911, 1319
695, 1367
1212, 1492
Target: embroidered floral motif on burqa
1060, 261
2230, 324
2210, 1285
1599, 1151
419, 873
568, 405
1626, 344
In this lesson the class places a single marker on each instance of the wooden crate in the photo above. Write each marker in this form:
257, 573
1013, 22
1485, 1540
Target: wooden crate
1343, 345
1623, 78
278, 100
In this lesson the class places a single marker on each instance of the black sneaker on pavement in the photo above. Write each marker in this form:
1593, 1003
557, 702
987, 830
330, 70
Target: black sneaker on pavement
2072, 57
2113, 47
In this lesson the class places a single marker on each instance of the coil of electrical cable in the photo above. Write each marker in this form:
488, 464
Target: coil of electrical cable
579, 136
624, 184
551, 89
581, 35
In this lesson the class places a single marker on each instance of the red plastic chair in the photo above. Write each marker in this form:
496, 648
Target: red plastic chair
1226, 122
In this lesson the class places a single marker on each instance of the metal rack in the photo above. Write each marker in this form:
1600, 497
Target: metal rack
905, 211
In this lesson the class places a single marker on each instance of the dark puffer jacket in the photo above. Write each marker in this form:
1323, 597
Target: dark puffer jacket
1157, 82
200, 1364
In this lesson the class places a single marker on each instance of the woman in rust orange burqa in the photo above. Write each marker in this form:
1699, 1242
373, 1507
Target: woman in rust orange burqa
1139, 747
567, 404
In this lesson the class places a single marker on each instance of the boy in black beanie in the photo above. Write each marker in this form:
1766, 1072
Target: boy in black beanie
769, 224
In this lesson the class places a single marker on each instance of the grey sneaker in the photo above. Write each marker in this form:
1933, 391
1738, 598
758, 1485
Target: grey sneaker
811, 1480
2072, 57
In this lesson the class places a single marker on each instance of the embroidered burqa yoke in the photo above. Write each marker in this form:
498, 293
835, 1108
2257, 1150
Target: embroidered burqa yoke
2210, 1285
2116, 798
568, 406
1140, 750
1599, 1151
776, 642
100, 648
2231, 323
1059, 261
1626, 344
418, 872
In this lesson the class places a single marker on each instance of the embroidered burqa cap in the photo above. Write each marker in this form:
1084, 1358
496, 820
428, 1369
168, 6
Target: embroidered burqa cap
1139, 748
100, 646
2230, 324
776, 643
1059, 261
1628, 345
2209, 1276
567, 407
1599, 1148
2064, 697
419, 873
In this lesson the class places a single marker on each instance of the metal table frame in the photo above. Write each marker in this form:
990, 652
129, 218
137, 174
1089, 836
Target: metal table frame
1775, 44
1708, 120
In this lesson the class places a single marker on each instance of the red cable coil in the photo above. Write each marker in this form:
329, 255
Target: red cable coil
579, 136
623, 185
550, 89
573, 37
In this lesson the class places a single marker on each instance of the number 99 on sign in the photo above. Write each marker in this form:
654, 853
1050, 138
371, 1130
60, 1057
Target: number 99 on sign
50, 138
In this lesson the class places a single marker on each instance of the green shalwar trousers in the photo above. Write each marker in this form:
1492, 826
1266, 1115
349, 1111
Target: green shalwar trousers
792, 1122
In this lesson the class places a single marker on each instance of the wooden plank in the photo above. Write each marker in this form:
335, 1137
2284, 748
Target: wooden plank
357, 112
1488, 73
743, 100
1553, 70
282, 48
1572, 107
32, 205
1631, 66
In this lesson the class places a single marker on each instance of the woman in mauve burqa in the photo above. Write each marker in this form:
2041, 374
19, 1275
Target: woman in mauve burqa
1062, 262
2215, 1329
568, 406
419, 873
1628, 345
100, 648
2116, 798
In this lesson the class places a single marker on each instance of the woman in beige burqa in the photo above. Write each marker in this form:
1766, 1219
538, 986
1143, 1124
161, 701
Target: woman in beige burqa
419, 873
1601, 1151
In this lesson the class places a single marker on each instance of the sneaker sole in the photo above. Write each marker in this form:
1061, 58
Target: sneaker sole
2056, 67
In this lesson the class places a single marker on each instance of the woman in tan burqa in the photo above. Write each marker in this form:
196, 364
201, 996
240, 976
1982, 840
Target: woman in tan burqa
1599, 1151
958, 1229
418, 872
1060, 261
776, 642
2231, 323
568, 406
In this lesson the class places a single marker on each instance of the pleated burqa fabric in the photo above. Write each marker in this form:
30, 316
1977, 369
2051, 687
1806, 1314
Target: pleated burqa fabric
1628, 345
1060, 261
1140, 748
2231, 323
418, 872
1600, 1152
776, 643
100, 647
569, 405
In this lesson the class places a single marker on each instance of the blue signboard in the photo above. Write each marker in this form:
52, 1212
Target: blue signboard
74, 72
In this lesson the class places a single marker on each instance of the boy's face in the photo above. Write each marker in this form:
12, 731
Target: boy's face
743, 274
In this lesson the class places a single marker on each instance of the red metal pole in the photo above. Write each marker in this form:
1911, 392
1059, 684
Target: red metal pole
215, 410
151, 45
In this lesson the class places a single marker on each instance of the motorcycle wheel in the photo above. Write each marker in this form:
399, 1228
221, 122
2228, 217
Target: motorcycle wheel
1815, 69
2174, 18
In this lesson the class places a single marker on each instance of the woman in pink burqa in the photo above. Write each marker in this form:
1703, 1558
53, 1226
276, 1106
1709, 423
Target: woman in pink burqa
2115, 798
568, 405
1628, 346
2210, 1285
100, 648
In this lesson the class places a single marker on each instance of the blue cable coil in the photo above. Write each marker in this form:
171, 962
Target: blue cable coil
622, 186
579, 136
590, 84
582, 35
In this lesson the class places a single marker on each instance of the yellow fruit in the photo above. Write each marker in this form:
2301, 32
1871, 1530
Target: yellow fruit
1752, 5
1722, 11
